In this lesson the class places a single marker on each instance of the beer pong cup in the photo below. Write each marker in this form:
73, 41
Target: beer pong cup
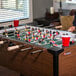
16, 23
65, 41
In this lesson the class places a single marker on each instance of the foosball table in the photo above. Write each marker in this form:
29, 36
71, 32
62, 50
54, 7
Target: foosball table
36, 51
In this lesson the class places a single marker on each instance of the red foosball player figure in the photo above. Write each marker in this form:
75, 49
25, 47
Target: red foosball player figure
44, 36
28, 32
10, 26
29, 40
36, 37
39, 30
18, 35
54, 45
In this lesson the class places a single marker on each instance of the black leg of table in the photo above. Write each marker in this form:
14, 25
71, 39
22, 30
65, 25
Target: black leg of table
55, 51
21, 75
55, 65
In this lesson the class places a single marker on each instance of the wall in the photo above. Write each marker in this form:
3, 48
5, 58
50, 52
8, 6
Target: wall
39, 7
65, 5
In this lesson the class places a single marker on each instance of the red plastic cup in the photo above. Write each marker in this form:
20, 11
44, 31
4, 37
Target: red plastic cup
16, 23
65, 41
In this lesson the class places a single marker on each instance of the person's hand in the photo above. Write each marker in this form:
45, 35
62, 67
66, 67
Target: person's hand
71, 29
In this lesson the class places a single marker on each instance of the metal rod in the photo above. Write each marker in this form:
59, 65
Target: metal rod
26, 49
36, 51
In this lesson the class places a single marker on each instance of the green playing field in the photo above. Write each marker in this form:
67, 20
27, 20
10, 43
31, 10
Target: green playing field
45, 43
36, 38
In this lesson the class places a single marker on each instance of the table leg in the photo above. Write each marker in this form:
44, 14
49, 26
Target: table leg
21, 75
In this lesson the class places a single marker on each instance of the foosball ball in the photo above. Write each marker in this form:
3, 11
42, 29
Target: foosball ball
35, 51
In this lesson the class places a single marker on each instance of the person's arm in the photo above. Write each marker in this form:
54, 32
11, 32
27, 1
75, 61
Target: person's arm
58, 27
71, 29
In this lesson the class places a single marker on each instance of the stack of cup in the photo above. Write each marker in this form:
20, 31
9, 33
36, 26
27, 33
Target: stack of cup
65, 40
16, 23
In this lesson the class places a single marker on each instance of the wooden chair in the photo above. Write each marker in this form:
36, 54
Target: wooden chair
66, 22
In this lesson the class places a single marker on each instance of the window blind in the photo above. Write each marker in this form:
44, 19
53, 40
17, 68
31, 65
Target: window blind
14, 9
10, 4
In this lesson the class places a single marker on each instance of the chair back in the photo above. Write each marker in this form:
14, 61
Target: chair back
66, 22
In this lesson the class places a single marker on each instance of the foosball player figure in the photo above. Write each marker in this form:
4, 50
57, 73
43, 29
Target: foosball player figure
33, 33
40, 41
18, 36
10, 26
40, 33
32, 37
28, 27
50, 34
28, 32
39, 36
72, 42
36, 37
51, 43
16, 31
6, 34
35, 29
47, 32
39, 30
25, 38
32, 29
54, 34
29, 39
57, 33
43, 36
55, 45
43, 30
25, 29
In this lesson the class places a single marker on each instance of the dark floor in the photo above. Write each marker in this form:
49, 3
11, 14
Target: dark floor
7, 72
